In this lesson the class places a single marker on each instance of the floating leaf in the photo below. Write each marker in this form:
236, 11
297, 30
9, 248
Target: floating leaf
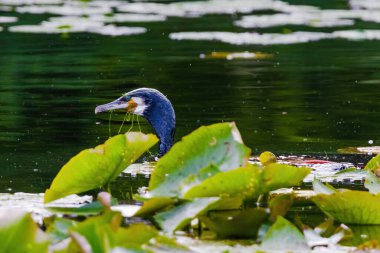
236, 223
278, 175
245, 182
360, 150
153, 205
373, 164
351, 207
318, 187
93, 168
372, 182
97, 231
280, 205
285, 236
202, 154
58, 228
180, 216
19, 233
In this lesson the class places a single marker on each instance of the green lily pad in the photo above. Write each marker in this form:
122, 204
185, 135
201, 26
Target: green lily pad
96, 232
202, 154
245, 182
180, 216
153, 205
372, 182
96, 167
19, 233
319, 187
284, 236
280, 205
58, 228
373, 164
350, 207
236, 223
278, 175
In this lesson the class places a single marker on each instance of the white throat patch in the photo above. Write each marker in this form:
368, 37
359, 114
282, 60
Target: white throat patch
141, 106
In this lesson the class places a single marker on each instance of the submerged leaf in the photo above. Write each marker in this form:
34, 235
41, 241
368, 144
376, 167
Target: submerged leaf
351, 207
236, 223
20, 234
285, 236
93, 168
180, 216
202, 154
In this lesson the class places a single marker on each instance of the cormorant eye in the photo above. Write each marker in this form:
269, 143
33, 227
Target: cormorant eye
126, 98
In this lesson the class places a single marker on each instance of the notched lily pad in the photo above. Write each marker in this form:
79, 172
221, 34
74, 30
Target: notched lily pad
96, 167
202, 154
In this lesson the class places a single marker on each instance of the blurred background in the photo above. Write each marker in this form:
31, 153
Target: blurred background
297, 77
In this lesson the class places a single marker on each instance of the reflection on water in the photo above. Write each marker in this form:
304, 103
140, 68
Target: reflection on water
309, 98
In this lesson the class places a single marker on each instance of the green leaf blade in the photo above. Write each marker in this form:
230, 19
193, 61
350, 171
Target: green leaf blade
211, 149
93, 168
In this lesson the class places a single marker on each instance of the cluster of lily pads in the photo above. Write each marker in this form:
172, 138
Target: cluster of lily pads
100, 16
204, 186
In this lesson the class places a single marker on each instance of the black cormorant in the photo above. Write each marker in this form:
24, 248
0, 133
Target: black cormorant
153, 106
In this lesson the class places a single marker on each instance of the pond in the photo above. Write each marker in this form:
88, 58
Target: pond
304, 98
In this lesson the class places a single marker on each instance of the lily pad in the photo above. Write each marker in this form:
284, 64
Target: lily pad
323, 188
278, 175
180, 216
96, 232
202, 154
153, 205
236, 223
245, 182
20, 234
372, 182
285, 236
350, 207
280, 205
96, 167
360, 150
373, 164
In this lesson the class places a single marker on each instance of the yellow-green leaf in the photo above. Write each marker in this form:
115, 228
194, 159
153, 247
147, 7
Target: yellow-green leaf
202, 154
95, 167
351, 207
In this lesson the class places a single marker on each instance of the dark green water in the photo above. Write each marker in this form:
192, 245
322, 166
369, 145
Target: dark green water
310, 98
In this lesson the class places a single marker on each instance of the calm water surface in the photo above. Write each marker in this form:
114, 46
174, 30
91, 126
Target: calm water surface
310, 98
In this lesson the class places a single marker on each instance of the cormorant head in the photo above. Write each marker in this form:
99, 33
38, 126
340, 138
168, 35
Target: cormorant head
152, 105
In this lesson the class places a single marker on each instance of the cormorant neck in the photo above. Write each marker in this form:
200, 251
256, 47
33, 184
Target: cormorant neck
162, 118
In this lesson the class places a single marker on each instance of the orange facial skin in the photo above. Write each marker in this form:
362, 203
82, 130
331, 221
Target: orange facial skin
132, 105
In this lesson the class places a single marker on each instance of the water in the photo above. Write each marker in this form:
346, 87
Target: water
309, 98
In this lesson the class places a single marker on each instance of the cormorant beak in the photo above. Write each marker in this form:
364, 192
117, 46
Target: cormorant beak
119, 103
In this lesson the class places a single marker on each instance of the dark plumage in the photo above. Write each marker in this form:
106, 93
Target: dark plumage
153, 106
